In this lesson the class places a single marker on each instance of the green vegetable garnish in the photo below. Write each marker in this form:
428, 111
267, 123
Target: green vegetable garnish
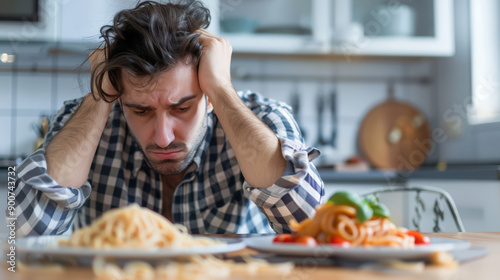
366, 208
364, 212
381, 211
346, 198
371, 201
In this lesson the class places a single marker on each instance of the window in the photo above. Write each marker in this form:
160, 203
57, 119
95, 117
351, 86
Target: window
485, 61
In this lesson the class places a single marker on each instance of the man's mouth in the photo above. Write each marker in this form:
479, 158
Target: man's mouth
166, 154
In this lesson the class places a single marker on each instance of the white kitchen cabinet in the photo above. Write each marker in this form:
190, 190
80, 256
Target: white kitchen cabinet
66, 21
478, 203
343, 27
45, 29
272, 26
82, 20
394, 28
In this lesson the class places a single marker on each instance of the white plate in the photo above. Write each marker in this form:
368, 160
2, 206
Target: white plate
48, 245
266, 244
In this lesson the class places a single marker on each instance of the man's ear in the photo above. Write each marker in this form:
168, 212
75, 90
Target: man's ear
210, 107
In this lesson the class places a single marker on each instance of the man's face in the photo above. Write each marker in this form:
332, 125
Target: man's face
168, 118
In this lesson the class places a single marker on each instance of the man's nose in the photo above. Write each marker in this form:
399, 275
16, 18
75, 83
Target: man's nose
164, 134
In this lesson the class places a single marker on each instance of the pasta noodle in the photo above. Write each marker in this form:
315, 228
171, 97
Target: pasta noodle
340, 220
134, 227
141, 228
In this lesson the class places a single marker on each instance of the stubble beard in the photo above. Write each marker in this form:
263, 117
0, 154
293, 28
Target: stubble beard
173, 166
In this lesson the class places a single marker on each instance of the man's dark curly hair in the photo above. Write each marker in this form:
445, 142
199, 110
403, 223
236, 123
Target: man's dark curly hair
148, 40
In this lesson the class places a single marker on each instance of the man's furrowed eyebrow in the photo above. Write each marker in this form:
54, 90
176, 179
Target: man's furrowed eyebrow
175, 104
137, 106
184, 99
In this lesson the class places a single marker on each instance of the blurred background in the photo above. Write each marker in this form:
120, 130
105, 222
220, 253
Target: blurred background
394, 93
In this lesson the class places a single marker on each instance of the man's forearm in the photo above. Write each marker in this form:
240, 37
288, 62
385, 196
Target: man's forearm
70, 154
256, 147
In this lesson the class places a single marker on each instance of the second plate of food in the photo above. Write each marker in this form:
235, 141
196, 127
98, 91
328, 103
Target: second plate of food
49, 245
266, 244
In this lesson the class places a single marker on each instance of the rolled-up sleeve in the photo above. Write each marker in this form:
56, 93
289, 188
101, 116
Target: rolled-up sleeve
300, 189
44, 207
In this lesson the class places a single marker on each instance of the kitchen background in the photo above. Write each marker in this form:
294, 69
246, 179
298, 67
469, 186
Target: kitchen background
332, 60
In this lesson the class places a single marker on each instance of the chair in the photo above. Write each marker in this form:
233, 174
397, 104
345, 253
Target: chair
439, 212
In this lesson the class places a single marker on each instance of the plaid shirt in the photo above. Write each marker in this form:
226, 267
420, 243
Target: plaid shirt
213, 196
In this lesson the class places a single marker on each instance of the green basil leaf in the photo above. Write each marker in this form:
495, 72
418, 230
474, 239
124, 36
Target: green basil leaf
380, 211
364, 212
346, 198
371, 201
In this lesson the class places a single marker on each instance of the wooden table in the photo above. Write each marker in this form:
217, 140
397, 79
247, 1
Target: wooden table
487, 267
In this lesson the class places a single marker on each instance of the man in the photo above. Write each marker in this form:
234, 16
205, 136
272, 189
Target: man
164, 127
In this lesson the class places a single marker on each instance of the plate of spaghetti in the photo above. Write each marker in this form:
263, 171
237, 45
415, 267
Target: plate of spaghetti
353, 227
129, 232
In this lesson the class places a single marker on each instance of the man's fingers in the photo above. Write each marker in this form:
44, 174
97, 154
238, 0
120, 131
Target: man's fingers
98, 52
206, 35
206, 38
204, 32
96, 57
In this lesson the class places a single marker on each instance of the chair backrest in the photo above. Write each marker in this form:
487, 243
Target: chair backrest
421, 203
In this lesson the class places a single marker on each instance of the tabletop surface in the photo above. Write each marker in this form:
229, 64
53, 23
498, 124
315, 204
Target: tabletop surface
486, 267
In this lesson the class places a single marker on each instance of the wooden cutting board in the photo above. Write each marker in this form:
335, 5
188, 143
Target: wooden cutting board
395, 135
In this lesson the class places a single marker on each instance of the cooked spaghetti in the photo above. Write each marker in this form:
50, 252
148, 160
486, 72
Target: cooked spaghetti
340, 220
141, 228
134, 227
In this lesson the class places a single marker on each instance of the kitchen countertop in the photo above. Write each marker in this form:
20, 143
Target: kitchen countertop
370, 176
458, 172
3, 176
454, 172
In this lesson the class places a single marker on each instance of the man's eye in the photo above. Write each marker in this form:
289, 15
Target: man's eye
140, 112
183, 109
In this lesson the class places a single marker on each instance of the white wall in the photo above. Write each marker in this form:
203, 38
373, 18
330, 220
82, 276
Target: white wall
32, 91
366, 87
479, 209
32, 94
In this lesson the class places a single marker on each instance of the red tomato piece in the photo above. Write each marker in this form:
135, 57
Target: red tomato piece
339, 241
420, 239
306, 240
284, 238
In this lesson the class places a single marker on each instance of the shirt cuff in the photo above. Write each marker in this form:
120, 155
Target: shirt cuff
33, 172
297, 153
298, 158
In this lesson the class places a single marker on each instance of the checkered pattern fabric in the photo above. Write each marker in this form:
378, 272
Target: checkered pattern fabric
213, 197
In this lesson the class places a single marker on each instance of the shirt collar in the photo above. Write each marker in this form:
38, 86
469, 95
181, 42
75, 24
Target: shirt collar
139, 159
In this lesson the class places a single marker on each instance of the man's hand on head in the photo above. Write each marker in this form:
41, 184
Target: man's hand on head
247, 134
70, 154
214, 70
96, 59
